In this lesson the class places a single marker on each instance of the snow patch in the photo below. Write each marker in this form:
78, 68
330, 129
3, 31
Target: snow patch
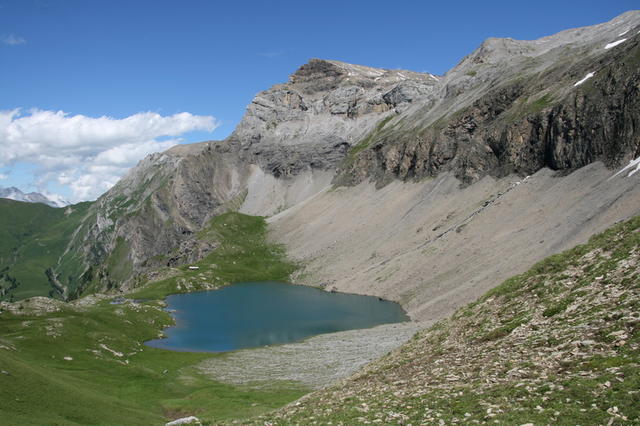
402, 76
614, 44
586, 77
434, 77
633, 166
623, 33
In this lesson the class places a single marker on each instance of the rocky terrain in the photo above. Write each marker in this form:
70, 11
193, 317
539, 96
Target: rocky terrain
560, 102
433, 245
558, 344
313, 363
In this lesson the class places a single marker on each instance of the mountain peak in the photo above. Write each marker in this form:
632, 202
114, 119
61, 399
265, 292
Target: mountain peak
16, 194
324, 68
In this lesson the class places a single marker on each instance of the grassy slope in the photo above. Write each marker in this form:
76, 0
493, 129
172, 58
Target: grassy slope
32, 238
112, 377
241, 255
559, 344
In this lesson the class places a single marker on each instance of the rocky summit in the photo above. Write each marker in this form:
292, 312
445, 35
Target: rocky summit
422, 189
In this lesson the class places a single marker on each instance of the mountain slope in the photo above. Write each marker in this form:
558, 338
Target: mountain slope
516, 106
558, 344
33, 237
285, 150
433, 246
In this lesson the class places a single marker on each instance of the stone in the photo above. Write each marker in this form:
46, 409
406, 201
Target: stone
191, 420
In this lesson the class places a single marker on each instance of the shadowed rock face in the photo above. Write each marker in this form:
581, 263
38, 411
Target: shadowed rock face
509, 107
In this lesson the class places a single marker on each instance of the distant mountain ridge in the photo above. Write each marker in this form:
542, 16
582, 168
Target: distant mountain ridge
16, 194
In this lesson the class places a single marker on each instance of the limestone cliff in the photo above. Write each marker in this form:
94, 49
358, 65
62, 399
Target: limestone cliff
326, 106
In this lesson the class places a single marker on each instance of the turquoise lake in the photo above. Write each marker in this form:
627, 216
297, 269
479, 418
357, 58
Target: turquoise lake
248, 315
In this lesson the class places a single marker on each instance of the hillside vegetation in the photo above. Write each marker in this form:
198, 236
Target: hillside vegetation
33, 237
84, 362
558, 344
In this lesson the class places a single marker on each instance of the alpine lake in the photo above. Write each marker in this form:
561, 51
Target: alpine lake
254, 314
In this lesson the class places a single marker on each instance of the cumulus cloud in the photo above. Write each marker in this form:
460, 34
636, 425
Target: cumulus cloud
85, 153
13, 40
3, 176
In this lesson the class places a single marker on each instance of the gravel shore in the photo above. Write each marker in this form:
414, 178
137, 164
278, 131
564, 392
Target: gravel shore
312, 363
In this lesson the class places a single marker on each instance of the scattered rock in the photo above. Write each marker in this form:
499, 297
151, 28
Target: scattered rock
191, 420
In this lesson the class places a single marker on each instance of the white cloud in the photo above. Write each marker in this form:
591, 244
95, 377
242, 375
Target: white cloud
89, 154
57, 199
13, 40
3, 176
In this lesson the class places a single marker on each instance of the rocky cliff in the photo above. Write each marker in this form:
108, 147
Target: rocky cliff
561, 102
324, 108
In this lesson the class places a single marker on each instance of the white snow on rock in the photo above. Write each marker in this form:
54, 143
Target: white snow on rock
586, 77
615, 43
633, 166
184, 421
623, 33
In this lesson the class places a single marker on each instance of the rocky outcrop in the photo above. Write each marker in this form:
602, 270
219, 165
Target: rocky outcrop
150, 217
311, 121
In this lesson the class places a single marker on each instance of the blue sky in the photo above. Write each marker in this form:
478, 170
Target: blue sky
151, 60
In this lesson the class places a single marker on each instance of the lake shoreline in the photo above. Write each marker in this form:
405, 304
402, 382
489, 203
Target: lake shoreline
218, 321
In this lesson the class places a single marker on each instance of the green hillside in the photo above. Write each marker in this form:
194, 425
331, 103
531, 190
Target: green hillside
85, 362
33, 236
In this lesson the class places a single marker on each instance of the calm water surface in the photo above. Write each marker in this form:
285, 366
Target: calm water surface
247, 315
